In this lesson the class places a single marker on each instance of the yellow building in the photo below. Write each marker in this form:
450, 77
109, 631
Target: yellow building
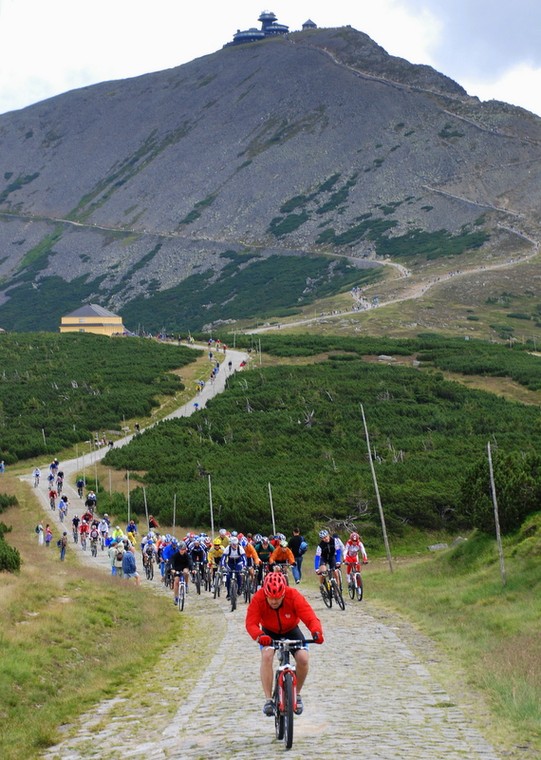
92, 319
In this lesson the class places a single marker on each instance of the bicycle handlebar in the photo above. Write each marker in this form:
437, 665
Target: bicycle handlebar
291, 643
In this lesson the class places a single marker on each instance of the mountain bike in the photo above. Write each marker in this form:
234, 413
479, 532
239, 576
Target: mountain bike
83, 541
36, 480
284, 695
355, 585
75, 534
197, 576
149, 567
207, 578
330, 590
182, 592
94, 547
218, 581
233, 588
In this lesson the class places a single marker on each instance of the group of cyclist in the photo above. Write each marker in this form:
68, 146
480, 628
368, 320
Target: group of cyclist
275, 610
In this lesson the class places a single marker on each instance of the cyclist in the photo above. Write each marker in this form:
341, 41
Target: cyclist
252, 558
52, 497
282, 555
36, 475
84, 530
103, 527
275, 613
264, 549
233, 559
181, 562
75, 527
214, 555
353, 548
325, 555
198, 554
80, 484
94, 537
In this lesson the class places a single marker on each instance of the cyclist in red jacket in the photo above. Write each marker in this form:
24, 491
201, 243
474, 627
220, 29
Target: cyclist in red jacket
275, 613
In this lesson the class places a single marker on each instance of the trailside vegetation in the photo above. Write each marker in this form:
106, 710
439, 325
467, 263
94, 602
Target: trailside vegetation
55, 390
300, 429
10, 559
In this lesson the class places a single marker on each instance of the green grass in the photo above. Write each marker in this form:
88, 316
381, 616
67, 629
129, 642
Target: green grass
69, 636
489, 630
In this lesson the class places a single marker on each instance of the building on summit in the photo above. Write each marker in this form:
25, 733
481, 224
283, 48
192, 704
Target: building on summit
269, 28
92, 319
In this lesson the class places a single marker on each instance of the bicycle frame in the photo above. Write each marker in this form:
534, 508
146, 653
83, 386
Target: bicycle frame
285, 688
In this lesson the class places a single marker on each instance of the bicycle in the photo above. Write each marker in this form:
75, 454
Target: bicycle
218, 581
355, 585
83, 541
330, 590
234, 588
75, 534
197, 576
182, 591
94, 547
149, 567
207, 578
246, 584
284, 695
36, 481
282, 568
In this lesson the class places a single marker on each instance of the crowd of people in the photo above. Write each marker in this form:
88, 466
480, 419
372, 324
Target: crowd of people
276, 608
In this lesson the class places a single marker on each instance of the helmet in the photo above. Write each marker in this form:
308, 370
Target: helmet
234, 533
283, 544
234, 541
258, 537
274, 585
217, 542
182, 544
323, 533
354, 538
241, 536
222, 531
280, 537
264, 540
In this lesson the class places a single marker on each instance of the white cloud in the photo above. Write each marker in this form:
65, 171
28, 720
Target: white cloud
520, 86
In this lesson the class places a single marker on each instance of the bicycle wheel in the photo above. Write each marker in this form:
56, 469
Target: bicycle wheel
359, 586
147, 570
279, 720
198, 581
151, 574
327, 598
351, 588
94, 550
181, 596
337, 594
288, 710
233, 594
247, 589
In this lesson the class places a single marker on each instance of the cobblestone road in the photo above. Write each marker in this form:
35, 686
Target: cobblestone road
368, 694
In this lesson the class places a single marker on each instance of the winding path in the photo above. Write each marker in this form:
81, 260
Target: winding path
369, 692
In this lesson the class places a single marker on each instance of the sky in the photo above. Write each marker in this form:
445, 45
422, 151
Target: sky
490, 47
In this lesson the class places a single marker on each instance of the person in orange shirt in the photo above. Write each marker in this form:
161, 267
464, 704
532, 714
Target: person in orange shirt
282, 555
252, 559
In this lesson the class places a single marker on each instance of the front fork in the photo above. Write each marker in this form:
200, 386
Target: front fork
279, 687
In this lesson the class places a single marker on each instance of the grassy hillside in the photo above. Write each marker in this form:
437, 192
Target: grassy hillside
299, 427
57, 390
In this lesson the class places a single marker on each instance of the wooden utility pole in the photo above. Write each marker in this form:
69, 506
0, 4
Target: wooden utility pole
382, 517
272, 511
211, 510
496, 515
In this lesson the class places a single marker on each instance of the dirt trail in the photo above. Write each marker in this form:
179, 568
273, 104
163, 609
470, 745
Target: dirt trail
368, 692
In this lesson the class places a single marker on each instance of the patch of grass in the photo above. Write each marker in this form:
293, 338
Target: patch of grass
69, 642
490, 630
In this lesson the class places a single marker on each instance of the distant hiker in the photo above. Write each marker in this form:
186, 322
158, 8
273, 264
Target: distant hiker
40, 533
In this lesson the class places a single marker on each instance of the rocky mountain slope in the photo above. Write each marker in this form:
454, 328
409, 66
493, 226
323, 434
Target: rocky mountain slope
181, 193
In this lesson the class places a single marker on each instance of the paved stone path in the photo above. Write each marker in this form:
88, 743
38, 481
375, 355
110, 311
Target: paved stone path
368, 693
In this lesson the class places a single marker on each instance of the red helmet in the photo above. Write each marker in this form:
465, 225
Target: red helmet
274, 585
354, 538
